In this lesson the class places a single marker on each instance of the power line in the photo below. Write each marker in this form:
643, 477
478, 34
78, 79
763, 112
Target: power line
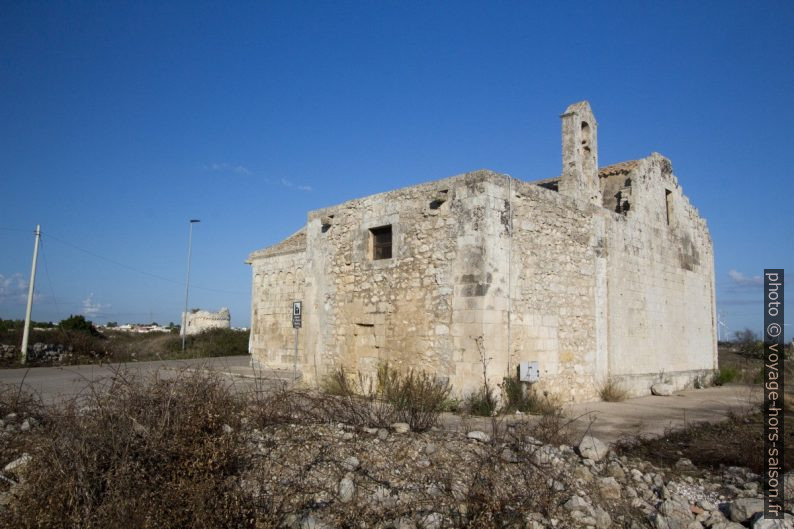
133, 269
49, 282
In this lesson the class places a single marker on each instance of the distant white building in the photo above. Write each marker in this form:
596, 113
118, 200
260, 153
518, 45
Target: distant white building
197, 321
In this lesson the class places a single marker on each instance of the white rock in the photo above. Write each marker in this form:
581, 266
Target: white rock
659, 522
543, 456
603, 520
742, 509
577, 503
583, 473
347, 488
592, 448
310, 522
18, 464
479, 436
432, 521
383, 496
662, 389
508, 456
401, 427
706, 505
351, 463
609, 488
760, 522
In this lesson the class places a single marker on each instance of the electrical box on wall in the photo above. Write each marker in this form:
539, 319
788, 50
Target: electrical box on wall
528, 372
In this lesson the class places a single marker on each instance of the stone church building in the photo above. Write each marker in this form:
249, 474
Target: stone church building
602, 272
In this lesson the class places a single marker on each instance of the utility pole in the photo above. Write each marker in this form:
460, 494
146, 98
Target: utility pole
187, 282
26, 332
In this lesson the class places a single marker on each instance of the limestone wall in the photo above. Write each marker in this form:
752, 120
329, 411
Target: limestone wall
661, 283
421, 308
555, 258
277, 280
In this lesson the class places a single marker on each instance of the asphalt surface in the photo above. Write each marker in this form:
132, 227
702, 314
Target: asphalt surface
54, 384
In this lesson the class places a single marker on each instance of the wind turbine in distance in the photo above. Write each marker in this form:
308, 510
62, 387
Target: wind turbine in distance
720, 324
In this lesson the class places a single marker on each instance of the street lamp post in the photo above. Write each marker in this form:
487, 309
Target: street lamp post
187, 282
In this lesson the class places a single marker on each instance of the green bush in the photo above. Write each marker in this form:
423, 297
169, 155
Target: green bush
516, 399
482, 402
78, 323
212, 342
529, 401
726, 375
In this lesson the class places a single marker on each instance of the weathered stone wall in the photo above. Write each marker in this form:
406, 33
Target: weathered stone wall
555, 252
421, 308
278, 280
661, 283
198, 321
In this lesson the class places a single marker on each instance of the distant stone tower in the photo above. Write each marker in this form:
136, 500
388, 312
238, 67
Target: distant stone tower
580, 154
197, 321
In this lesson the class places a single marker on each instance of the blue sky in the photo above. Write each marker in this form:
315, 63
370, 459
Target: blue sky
121, 121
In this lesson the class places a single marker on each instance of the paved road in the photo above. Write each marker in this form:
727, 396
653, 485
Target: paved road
60, 383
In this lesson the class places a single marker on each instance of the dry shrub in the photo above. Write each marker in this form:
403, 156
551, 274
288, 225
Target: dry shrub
164, 453
210, 343
482, 402
501, 494
339, 383
527, 400
288, 406
417, 397
551, 428
611, 390
25, 406
726, 375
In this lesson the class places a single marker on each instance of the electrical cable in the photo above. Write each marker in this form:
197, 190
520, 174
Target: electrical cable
136, 270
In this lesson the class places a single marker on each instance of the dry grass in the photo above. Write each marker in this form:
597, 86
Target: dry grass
738, 441
154, 454
416, 398
611, 390
190, 451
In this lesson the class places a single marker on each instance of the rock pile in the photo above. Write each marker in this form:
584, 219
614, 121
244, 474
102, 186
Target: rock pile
431, 480
328, 476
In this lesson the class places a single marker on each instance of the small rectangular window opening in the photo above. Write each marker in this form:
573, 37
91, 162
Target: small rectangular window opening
668, 198
380, 242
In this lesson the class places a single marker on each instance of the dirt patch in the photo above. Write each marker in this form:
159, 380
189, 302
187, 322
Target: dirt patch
737, 441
